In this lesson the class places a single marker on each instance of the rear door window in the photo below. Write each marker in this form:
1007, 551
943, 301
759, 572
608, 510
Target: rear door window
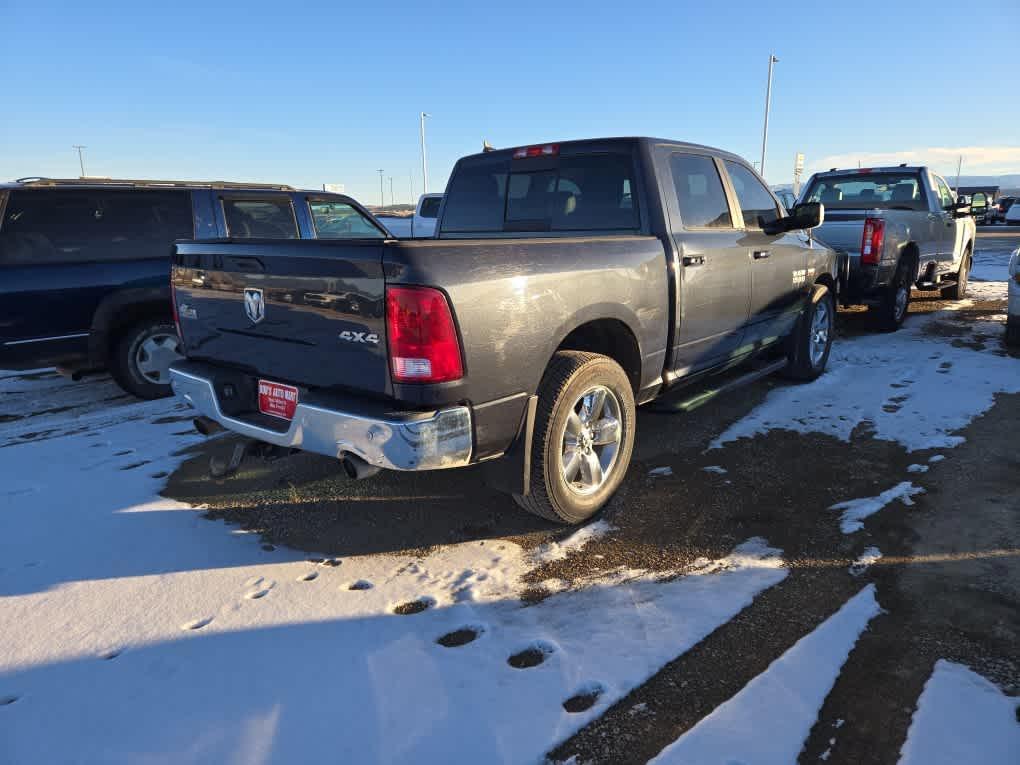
90, 225
756, 203
265, 218
699, 192
338, 220
586, 192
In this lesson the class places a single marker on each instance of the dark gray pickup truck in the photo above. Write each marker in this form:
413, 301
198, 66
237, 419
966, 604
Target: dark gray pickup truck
566, 283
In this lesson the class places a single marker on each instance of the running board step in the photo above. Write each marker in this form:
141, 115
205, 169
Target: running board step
705, 395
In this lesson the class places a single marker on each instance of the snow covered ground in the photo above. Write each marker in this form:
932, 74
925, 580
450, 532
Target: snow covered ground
136, 630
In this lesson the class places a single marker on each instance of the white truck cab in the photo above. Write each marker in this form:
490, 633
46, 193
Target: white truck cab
423, 224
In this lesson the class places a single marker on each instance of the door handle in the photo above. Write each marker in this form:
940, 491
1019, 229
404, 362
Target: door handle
694, 260
761, 254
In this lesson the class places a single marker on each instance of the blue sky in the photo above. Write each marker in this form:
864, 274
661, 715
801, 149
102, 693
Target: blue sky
330, 92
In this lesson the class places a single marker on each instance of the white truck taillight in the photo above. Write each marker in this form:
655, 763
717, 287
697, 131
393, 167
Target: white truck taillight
422, 338
872, 240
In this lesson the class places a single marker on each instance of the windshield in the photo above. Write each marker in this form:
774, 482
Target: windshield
884, 191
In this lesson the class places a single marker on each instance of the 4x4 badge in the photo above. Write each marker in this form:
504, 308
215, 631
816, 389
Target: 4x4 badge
254, 304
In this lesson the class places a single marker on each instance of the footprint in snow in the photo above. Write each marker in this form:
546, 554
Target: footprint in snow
121, 454
259, 593
944, 367
111, 654
134, 465
584, 699
6, 701
361, 584
461, 636
532, 656
415, 606
196, 624
308, 576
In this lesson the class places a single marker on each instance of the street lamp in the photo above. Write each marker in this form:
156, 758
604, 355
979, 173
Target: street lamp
424, 160
382, 195
81, 158
768, 101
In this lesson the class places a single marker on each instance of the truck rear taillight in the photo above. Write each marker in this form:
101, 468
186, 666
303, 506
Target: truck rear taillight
549, 150
422, 337
872, 241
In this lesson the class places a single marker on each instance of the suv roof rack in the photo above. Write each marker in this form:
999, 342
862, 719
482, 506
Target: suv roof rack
96, 181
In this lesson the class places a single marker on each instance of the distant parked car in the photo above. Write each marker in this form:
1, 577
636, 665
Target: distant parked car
899, 227
424, 222
1013, 214
997, 212
1013, 306
979, 207
84, 264
786, 197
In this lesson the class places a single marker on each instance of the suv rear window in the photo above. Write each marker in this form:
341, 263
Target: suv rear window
430, 207
586, 192
883, 191
260, 219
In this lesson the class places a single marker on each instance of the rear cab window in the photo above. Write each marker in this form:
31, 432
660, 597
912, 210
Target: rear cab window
334, 219
869, 190
260, 218
579, 190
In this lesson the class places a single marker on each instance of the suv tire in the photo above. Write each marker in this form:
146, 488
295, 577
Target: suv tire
895, 302
142, 357
583, 439
959, 290
809, 346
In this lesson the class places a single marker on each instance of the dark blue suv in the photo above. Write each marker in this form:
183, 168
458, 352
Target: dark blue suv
84, 264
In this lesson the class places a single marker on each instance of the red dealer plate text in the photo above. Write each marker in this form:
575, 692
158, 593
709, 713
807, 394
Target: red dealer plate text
277, 399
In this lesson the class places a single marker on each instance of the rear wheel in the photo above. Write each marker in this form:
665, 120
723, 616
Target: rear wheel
583, 439
142, 358
959, 290
895, 302
811, 342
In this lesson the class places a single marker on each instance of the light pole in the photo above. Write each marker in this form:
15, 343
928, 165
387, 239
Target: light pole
424, 160
391, 190
382, 196
81, 157
768, 101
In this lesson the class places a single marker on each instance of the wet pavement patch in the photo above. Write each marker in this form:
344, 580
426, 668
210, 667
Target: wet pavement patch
460, 637
531, 656
583, 700
413, 606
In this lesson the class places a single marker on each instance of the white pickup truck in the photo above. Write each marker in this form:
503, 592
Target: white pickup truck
898, 228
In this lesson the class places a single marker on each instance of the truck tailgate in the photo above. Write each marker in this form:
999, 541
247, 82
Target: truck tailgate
302, 312
842, 229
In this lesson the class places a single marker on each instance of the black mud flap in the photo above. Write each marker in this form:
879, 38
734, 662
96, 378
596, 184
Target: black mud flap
511, 473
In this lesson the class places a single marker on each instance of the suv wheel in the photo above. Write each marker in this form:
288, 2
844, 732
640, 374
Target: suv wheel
142, 358
810, 344
584, 435
896, 300
959, 290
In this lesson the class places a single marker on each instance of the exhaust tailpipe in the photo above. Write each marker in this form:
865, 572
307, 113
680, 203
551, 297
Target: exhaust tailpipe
356, 468
206, 426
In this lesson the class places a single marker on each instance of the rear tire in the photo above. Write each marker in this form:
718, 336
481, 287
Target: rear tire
583, 438
811, 342
959, 290
895, 303
1013, 333
141, 359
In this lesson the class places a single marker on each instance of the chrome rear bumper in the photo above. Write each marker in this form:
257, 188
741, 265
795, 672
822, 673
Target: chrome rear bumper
415, 441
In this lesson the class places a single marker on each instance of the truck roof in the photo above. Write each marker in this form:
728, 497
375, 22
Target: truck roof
645, 140
99, 182
887, 169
